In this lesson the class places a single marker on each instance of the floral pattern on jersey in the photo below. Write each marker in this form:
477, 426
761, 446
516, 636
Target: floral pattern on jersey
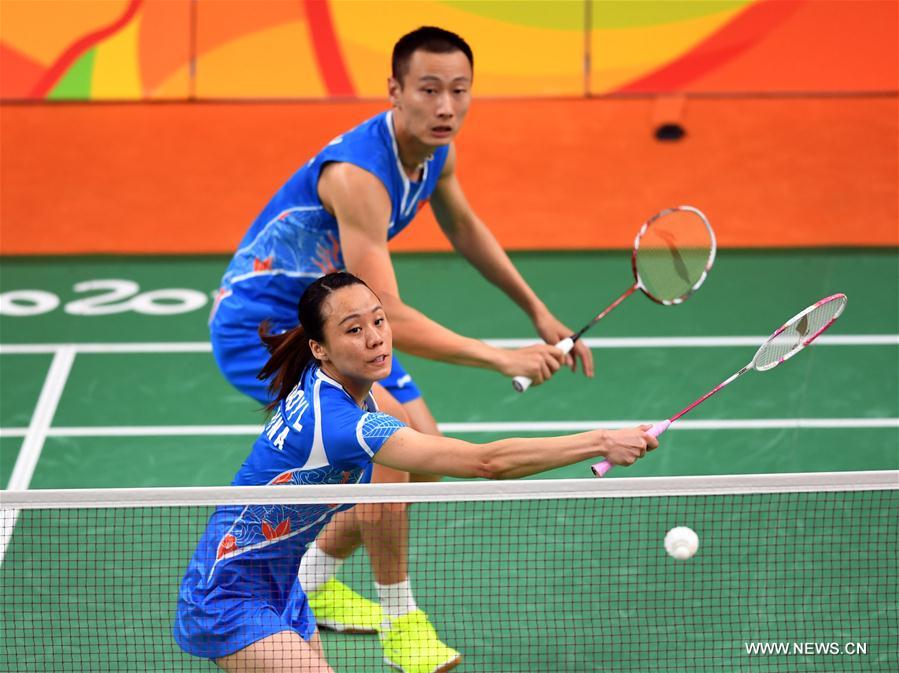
328, 258
258, 526
298, 242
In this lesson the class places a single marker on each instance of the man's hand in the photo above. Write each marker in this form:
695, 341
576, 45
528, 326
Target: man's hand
538, 362
552, 331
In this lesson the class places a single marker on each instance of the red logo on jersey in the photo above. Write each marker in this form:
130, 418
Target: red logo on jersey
327, 257
280, 530
263, 264
283, 478
226, 546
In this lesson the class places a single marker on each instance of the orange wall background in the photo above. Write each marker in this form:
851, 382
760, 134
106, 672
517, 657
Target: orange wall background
544, 174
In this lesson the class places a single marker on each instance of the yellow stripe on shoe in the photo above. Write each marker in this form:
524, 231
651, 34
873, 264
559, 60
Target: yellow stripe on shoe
411, 645
339, 608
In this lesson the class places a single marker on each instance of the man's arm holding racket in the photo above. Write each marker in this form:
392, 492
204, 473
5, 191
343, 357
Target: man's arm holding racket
362, 207
474, 241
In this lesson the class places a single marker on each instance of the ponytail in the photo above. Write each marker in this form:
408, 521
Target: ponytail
290, 354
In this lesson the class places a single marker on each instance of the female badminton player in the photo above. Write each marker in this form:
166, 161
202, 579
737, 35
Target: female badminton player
240, 602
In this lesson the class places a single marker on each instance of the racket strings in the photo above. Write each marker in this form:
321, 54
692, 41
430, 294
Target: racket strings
799, 332
674, 254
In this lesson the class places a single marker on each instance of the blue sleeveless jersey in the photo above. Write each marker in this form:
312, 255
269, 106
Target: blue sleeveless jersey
241, 584
295, 240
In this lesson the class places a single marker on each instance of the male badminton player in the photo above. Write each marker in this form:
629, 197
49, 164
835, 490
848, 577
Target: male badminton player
241, 602
337, 212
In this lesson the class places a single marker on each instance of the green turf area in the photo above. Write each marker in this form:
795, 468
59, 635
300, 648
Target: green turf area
131, 462
748, 294
826, 381
59, 276
152, 389
9, 451
777, 568
21, 380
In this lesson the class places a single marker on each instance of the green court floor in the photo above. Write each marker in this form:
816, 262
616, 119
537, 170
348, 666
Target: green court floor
127, 394
853, 386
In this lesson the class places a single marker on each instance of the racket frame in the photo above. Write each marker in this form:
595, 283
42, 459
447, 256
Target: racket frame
839, 296
713, 249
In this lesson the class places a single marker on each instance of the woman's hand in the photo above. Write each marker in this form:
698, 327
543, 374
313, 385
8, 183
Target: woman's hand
627, 445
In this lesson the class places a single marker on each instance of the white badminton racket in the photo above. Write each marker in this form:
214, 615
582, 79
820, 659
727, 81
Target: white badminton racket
673, 253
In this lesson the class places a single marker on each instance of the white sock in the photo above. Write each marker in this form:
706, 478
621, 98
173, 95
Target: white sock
396, 600
316, 568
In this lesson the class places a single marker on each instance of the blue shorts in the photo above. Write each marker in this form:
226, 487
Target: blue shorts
240, 357
230, 620
247, 598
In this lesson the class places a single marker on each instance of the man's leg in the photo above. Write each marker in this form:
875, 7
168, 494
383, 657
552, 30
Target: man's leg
410, 641
382, 528
421, 418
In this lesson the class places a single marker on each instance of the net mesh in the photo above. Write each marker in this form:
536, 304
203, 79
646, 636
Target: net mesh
798, 332
673, 255
569, 584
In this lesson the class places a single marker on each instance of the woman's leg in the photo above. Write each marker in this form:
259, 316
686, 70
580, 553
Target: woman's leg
284, 652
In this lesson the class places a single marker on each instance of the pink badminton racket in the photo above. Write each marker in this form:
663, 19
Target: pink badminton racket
800, 331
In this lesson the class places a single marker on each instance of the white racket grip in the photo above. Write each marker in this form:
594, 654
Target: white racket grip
600, 468
522, 383
565, 345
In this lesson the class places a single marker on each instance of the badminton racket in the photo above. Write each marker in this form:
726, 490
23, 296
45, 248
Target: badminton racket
800, 331
673, 253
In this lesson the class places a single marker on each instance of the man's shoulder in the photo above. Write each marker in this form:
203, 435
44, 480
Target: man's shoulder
366, 146
372, 134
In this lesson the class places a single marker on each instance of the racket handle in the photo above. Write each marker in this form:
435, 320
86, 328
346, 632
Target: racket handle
600, 468
659, 428
522, 383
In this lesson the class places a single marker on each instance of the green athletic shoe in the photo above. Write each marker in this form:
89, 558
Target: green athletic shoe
412, 646
339, 608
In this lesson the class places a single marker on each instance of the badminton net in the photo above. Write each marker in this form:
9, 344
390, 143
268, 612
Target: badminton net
793, 573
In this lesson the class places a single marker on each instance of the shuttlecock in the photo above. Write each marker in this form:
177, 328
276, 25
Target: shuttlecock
681, 542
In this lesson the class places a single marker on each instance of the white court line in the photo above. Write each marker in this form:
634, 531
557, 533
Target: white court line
599, 343
466, 428
710, 342
35, 434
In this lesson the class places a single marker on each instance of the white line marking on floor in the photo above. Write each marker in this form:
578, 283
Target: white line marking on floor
596, 343
35, 435
487, 427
